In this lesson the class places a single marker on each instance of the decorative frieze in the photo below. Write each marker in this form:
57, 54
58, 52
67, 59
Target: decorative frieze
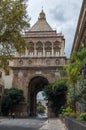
36, 62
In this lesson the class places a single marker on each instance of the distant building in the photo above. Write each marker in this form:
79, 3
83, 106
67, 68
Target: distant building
80, 35
80, 40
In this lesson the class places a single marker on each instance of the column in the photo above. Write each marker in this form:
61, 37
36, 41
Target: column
35, 51
52, 50
26, 52
17, 54
43, 49
62, 49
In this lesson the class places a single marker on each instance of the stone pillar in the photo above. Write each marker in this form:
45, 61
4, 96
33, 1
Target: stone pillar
35, 51
43, 49
17, 54
26, 52
62, 49
52, 50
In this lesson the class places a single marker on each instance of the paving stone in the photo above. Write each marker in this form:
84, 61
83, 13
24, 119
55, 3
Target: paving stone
53, 124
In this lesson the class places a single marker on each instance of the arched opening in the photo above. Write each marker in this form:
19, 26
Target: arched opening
31, 49
36, 85
48, 48
41, 104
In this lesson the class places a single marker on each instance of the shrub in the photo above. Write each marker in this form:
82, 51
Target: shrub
67, 111
82, 117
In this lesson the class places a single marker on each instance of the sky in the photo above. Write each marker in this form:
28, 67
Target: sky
62, 16
39, 95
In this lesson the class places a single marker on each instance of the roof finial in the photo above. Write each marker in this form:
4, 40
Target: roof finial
42, 14
42, 7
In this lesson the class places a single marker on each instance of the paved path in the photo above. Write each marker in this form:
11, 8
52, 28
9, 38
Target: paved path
53, 124
32, 124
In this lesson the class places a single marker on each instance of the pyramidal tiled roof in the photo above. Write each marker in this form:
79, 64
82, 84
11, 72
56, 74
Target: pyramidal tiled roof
41, 24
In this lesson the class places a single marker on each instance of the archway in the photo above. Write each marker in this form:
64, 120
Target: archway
36, 85
41, 104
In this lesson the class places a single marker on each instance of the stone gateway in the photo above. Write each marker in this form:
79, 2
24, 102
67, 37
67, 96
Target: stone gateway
39, 64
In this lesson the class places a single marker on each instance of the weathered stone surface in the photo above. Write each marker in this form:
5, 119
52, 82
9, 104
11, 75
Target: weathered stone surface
39, 65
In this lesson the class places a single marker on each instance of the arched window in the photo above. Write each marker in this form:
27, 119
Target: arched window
39, 53
31, 49
39, 48
57, 48
48, 44
57, 53
23, 54
31, 53
48, 53
39, 44
48, 48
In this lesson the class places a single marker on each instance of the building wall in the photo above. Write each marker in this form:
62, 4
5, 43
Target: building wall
1, 88
7, 79
80, 35
80, 40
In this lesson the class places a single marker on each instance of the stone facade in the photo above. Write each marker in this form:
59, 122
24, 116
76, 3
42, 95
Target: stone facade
1, 88
80, 41
80, 35
39, 64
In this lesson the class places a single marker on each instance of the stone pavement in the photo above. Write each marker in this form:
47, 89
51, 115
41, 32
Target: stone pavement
53, 124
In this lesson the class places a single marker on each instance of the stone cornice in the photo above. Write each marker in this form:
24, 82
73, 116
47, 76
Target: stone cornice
80, 27
36, 68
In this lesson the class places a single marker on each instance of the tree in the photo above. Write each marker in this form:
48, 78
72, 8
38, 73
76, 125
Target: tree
81, 90
40, 108
56, 94
13, 22
77, 61
11, 98
72, 74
